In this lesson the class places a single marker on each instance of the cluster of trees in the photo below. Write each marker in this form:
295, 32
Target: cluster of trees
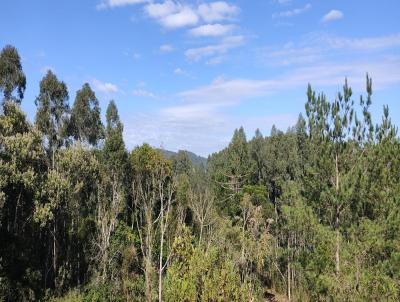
310, 214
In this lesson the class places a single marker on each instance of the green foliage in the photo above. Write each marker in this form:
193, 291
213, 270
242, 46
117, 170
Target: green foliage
312, 213
53, 109
85, 124
199, 275
11, 75
71, 296
181, 163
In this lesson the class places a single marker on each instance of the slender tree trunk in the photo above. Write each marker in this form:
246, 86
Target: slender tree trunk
54, 254
148, 258
160, 270
337, 220
147, 275
201, 231
288, 270
337, 253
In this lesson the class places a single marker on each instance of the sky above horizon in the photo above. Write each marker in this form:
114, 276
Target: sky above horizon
185, 74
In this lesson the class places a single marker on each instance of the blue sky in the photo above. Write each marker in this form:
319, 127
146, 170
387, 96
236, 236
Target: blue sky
185, 74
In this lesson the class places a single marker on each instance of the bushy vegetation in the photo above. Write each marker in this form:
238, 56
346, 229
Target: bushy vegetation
311, 214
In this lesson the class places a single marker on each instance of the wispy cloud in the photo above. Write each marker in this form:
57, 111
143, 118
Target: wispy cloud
217, 11
133, 55
293, 12
181, 72
165, 48
321, 47
223, 92
211, 30
118, 3
215, 60
105, 87
367, 43
332, 16
187, 125
196, 54
283, 1
143, 93
290, 55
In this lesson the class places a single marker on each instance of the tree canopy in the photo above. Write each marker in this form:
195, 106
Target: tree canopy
307, 214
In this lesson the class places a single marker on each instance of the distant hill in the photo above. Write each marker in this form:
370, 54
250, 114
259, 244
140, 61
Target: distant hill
194, 158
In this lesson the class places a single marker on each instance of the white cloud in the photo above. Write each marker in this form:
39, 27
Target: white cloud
211, 30
166, 48
319, 47
290, 55
368, 43
105, 87
293, 12
196, 54
143, 93
172, 15
215, 60
283, 1
136, 55
181, 72
133, 55
118, 3
160, 10
170, 129
184, 17
332, 16
217, 11
188, 124
222, 92
187, 127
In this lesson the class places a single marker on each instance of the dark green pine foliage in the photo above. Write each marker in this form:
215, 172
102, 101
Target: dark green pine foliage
231, 169
257, 154
12, 77
85, 125
181, 163
238, 158
53, 110
310, 214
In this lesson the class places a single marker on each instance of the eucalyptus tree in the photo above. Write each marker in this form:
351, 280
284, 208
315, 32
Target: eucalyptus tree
52, 111
12, 77
113, 187
153, 190
22, 166
85, 124
114, 154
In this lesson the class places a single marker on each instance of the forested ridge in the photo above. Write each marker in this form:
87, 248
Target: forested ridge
310, 214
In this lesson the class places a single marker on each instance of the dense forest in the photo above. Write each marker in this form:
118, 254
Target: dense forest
310, 214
